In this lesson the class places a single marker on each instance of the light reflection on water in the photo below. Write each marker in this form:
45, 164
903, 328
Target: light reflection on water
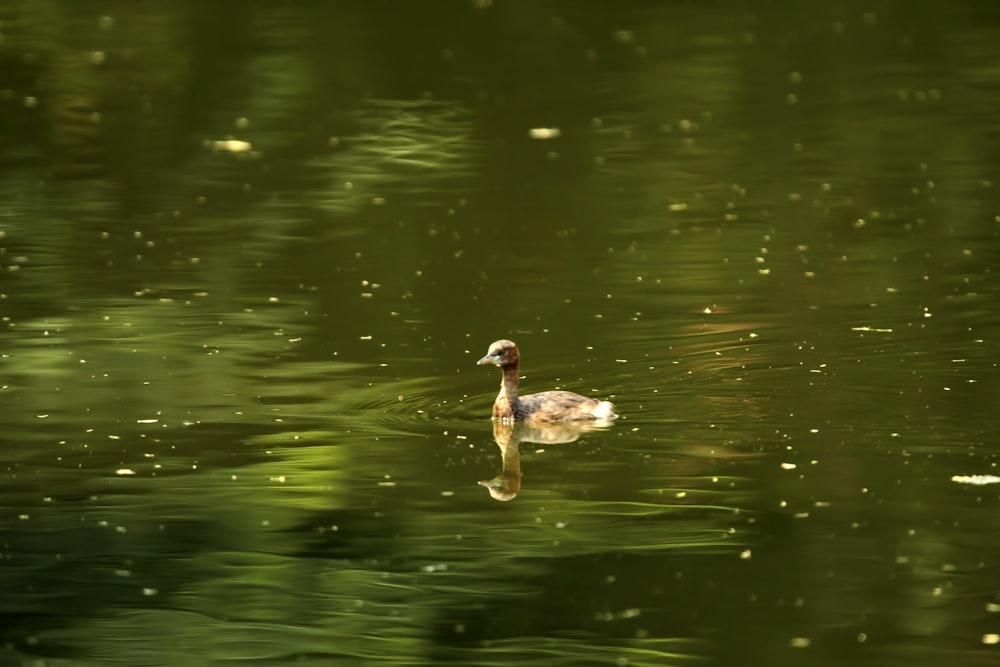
240, 406
363, 502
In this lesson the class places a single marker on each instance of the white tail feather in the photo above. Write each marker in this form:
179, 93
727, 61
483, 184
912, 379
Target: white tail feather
605, 410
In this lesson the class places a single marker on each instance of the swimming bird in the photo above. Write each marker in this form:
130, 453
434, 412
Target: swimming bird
547, 406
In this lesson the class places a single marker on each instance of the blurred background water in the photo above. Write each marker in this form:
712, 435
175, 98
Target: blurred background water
250, 253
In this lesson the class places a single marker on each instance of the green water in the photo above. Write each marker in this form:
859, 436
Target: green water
251, 252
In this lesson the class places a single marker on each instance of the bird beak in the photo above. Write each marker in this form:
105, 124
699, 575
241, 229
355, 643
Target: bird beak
485, 360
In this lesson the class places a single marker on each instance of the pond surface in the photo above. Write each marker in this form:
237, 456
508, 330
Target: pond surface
251, 252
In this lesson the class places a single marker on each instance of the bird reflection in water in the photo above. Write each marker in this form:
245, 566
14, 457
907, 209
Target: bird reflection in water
509, 436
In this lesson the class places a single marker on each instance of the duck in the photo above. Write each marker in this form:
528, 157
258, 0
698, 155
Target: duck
541, 408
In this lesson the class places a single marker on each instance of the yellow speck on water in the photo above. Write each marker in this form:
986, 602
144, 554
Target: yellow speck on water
544, 132
232, 146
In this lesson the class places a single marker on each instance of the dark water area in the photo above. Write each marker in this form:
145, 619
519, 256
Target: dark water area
251, 252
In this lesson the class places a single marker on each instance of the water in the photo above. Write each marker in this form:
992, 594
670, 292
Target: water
249, 257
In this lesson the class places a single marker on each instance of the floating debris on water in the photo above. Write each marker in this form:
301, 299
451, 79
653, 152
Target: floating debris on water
976, 480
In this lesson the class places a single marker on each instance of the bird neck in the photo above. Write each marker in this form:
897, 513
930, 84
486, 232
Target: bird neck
508, 386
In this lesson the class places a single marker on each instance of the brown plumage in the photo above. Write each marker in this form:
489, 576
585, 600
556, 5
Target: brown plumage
547, 406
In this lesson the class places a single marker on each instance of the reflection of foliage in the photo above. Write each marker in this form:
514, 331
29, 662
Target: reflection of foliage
581, 651
290, 507
136, 353
382, 580
424, 135
279, 461
405, 146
